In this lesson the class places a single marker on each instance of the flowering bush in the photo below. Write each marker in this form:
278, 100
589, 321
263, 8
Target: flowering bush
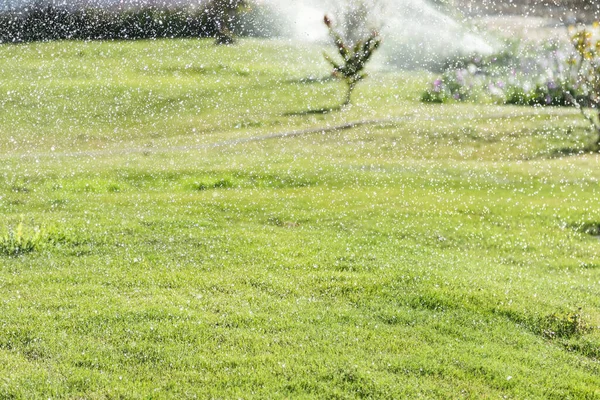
586, 43
519, 75
458, 85
528, 76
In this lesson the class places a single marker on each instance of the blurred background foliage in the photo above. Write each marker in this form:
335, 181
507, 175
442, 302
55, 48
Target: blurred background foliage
44, 21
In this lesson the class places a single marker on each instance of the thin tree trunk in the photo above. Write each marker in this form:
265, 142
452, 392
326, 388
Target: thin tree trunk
595, 145
597, 141
348, 100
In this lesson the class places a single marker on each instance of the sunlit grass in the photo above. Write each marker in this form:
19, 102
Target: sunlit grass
434, 253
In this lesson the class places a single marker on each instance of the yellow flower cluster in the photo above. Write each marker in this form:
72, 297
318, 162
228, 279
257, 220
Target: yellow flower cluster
586, 41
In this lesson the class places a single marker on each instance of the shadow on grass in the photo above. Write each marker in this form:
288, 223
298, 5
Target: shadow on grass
589, 148
312, 80
588, 228
314, 111
569, 152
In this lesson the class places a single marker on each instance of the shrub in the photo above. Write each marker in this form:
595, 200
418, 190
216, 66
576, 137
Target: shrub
520, 74
224, 14
452, 85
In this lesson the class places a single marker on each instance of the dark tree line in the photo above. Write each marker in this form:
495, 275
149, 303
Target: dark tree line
44, 21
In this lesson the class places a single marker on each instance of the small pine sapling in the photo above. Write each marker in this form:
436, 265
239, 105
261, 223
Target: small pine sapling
354, 57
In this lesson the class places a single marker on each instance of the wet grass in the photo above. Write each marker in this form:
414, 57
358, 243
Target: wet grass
443, 256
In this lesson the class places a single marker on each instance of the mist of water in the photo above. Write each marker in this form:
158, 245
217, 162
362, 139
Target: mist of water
415, 33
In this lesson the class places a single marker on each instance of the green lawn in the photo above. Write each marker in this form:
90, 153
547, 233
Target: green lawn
437, 252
